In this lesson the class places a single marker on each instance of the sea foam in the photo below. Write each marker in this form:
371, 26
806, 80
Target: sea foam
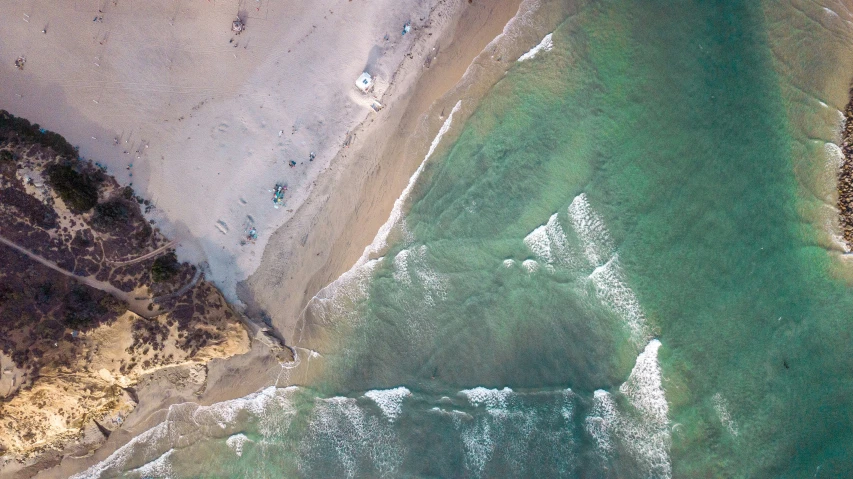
589, 225
613, 290
491, 398
549, 243
390, 401
236, 443
721, 407
339, 429
644, 431
380, 241
186, 423
546, 44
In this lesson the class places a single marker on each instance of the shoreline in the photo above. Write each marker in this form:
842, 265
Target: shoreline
427, 89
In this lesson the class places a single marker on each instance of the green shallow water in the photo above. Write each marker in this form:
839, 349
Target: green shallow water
623, 236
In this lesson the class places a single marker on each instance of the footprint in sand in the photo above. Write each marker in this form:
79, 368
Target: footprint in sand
222, 226
222, 128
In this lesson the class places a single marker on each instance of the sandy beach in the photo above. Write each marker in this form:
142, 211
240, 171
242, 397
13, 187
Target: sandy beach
205, 122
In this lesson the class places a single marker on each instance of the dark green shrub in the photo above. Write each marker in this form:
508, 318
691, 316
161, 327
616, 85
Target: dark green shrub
78, 190
113, 305
165, 267
44, 293
33, 133
81, 309
111, 214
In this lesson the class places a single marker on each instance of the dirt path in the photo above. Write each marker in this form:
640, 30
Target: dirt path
152, 254
138, 306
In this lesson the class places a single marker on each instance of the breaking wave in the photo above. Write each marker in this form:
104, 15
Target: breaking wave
612, 289
390, 401
188, 423
643, 431
590, 228
545, 45
588, 242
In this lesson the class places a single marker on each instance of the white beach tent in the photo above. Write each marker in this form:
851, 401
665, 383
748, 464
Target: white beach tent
364, 82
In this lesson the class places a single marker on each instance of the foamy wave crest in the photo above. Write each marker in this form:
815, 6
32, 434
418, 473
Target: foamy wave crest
643, 432
187, 423
643, 387
612, 289
834, 156
530, 265
434, 284
390, 401
340, 297
236, 443
342, 440
549, 243
118, 461
160, 467
491, 398
645, 392
545, 45
721, 406
597, 245
401, 267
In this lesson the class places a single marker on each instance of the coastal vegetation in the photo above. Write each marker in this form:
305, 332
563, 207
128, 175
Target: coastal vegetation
20, 130
77, 189
165, 267
89, 300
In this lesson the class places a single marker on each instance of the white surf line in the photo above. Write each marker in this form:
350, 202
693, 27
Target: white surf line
545, 45
380, 241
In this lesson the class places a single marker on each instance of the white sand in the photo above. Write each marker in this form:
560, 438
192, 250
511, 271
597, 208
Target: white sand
199, 117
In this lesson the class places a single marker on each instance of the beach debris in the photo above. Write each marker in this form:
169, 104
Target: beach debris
407, 28
364, 82
19, 63
291, 163
237, 26
278, 195
311, 156
376, 106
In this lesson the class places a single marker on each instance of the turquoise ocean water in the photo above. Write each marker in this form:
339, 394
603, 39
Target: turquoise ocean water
617, 268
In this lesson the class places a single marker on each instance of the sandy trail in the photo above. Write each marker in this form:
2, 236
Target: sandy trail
152, 254
138, 306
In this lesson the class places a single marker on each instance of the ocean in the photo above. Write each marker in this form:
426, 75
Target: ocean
621, 265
